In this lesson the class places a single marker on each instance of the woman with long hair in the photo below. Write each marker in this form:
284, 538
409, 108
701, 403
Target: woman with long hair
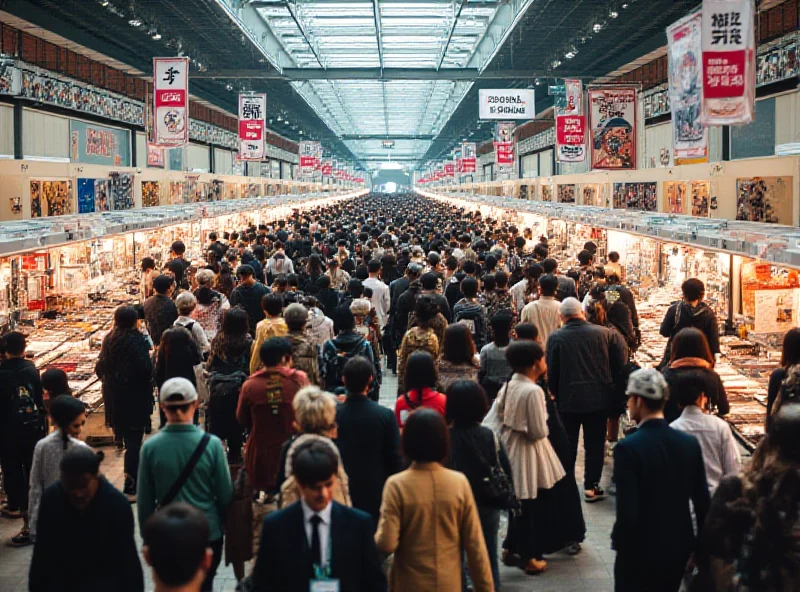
224, 282
211, 304
790, 356
457, 360
68, 416
691, 359
421, 336
228, 367
421, 388
313, 271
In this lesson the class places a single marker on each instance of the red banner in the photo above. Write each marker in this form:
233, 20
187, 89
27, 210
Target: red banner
571, 138
327, 168
171, 101
449, 169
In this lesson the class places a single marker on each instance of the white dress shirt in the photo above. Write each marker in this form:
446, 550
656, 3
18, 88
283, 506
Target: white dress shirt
380, 299
716, 441
543, 313
324, 527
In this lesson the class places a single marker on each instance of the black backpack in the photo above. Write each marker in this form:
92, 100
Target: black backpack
334, 368
474, 320
585, 283
25, 413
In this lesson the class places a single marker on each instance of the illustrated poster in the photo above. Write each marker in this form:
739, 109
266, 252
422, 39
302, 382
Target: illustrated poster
612, 121
675, 197
252, 121
764, 199
171, 101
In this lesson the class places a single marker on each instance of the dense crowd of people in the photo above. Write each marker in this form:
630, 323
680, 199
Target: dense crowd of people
265, 358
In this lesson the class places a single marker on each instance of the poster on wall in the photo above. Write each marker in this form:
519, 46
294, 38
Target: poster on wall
701, 202
593, 195
176, 192
10, 77
571, 124
764, 199
150, 194
690, 136
252, 119
121, 191
728, 63
51, 198
469, 158
85, 196
547, 193
775, 310
171, 101
618, 196
155, 156
504, 146
612, 112
566, 194
675, 197
98, 144
101, 193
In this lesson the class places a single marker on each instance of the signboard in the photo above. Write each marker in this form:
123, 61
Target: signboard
326, 167
504, 146
690, 137
571, 124
469, 158
387, 144
507, 104
171, 101
728, 63
310, 153
98, 144
449, 169
155, 156
252, 113
612, 112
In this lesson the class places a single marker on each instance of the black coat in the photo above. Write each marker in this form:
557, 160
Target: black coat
369, 442
473, 452
712, 387
249, 298
328, 300
160, 313
67, 537
658, 470
284, 563
16, 372
125, 367
700, 317
583, 361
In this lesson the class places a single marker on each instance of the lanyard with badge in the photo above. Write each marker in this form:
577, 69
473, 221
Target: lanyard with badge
322, 581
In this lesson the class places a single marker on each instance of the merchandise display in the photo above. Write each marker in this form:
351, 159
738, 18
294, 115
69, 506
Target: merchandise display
764, 199
566, 194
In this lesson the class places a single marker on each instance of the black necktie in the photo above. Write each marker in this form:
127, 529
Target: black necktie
316, 548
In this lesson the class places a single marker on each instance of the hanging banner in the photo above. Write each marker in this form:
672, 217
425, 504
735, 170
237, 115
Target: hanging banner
309, 157
252, 124
612, 113
326, 167
449, 169
728, 65
457, 160
504, 146
571, 124
171, 101
469, 158
690, 136
507, 104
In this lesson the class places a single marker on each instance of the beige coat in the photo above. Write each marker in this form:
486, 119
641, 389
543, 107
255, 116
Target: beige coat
428, 515
522, 412
543, 313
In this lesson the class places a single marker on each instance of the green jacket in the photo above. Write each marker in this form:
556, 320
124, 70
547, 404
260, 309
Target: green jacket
208, 488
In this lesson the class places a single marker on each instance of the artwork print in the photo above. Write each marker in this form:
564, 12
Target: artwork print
686, 89
150, 194
566, 194
764, 199
675, 198
613, 128
593, 195
701, 203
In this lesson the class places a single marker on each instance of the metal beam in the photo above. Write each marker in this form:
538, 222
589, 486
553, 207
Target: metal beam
461, 5
427, 137
289, 4
376, 13
455, 74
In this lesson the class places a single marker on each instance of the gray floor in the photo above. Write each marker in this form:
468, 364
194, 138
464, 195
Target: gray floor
591, 570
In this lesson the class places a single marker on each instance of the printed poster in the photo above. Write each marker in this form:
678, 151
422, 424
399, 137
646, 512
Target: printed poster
171, 101
310, 158
675, 197
566, 193
690, 137
728, 64
775, 310
571, 124
155, 156
764, 199
252, 118
701, 202
612, 112
469, 159
504, 146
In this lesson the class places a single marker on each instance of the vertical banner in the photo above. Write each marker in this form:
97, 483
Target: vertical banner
685, 47
504, 146
309, 158
729, 76
171, 101
612, 112
326, 167
571, 125
469, 157
252, 115
449, 169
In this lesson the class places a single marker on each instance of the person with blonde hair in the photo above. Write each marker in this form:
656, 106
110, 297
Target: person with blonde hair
315, 420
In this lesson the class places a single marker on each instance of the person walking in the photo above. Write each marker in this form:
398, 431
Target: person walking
429, 516
420, 337
211, 305
83, 515
182, 463
273, 325
248, 295
658, 471
316, 543
368, 439
458, 358
380, 299
543, 313
421, 384
305, 355
583, 362
690, 311
472, 313
160, 312
336, 352
265, 410
494, 370
126, 371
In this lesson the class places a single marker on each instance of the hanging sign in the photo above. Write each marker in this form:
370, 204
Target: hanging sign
504, 146
612, 112
171, 101
469, 158
571, 124
690, 137
449, 169
507, 104
309, 157
728, 64
326, 167
252, 114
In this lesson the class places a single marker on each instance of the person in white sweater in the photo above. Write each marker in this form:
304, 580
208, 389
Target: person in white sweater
69, 416
543, 313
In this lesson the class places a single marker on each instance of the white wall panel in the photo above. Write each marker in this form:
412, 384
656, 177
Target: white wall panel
141, 150
529, 166
787, 122
6, 130
657, 138
197, 157
44, 135
223, 161
546, 163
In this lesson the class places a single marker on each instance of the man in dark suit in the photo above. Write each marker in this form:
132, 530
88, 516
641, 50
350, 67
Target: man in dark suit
657, 470
368, 440
316, 540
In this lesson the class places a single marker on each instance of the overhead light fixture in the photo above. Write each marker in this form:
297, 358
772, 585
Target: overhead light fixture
597, 27
570, 54
300, 132
613, 14
228, 87
556, 63
280, 118
135, 22
625, 6
157, 36
103, 3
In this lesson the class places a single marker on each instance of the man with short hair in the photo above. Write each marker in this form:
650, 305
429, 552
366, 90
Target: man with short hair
355, 290
368, 439
691, 311
658, 471
175, 548
183, 463
215, 247
316, 543
429, 284
176, 252
346, 345
160, 312
305, 355
543, 313
83, 516
380, 292
248, 295
583, 361
472, 313
566, 285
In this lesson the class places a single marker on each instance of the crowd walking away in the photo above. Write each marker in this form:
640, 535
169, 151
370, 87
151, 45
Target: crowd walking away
250, 389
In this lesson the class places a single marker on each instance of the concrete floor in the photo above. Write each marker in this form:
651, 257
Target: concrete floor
591, 570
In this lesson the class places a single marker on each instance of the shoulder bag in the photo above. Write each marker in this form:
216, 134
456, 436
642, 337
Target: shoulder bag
496, 486
187, 470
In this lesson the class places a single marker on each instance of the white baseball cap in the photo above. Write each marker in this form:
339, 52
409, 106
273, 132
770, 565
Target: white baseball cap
648, 383
177, 391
